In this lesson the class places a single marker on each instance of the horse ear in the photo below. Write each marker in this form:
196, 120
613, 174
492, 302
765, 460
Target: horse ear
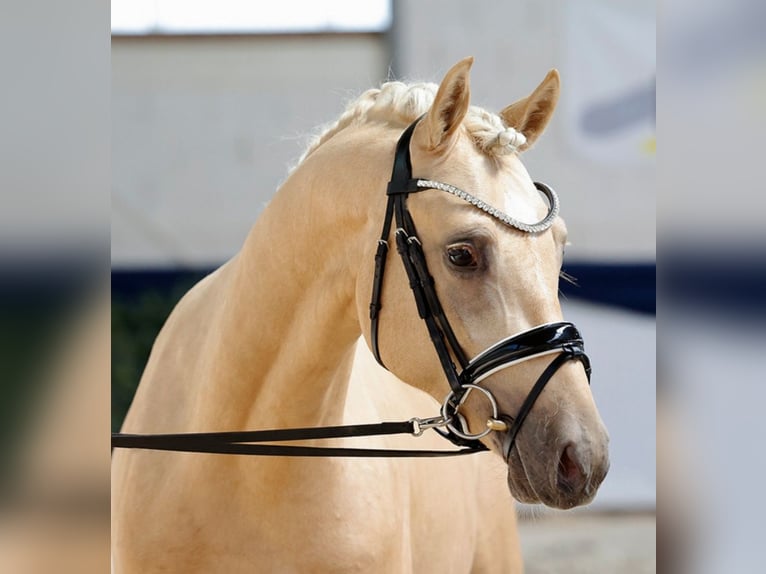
530, 115
449, 107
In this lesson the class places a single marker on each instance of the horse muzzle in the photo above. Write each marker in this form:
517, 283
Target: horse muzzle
560, 338
557, 457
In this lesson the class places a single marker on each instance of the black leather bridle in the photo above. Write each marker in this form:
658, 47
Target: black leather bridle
560, 338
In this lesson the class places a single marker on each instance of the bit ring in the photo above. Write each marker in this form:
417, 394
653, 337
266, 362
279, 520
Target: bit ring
463, 423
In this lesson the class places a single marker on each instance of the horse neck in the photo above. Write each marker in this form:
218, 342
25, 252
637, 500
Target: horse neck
288, 325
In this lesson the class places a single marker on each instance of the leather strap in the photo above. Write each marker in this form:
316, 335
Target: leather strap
529, 402
399, 181
308, 451
409, 248
240, 442
537, 341
411, 253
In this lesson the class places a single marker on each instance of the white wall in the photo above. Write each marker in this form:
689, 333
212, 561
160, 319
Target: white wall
609, 209
204, 129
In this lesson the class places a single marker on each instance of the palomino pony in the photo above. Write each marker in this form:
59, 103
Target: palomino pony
280, 336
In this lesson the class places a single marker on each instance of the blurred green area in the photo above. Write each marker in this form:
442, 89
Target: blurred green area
38, 301
141, 302
28, 332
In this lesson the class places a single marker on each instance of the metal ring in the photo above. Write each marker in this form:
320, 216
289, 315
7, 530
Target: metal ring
457, 431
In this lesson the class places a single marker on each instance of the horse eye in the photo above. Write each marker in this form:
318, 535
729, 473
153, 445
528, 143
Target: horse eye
462, 256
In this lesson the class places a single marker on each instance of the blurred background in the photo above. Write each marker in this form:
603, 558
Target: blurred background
185, 109
213, 102
196, 118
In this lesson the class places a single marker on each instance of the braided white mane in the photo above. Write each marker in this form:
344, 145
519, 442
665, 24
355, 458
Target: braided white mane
396, 102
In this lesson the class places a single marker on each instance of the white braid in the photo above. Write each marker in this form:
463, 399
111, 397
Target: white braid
491, 134
401, 104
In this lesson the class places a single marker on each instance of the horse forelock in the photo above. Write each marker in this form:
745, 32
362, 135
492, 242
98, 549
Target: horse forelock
399, 104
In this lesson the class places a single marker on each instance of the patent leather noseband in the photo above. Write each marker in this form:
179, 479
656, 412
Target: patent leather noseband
561, 338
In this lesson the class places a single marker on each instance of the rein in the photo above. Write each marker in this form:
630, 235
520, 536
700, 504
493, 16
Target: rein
561, 338
239, 442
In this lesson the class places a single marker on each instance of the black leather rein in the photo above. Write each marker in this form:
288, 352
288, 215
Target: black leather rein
560, 338
241, 442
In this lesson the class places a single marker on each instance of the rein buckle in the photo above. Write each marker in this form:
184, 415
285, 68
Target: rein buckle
421, 425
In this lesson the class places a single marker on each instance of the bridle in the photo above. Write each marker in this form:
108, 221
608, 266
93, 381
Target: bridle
559, 338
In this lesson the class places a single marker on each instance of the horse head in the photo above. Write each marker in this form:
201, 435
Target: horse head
491, 279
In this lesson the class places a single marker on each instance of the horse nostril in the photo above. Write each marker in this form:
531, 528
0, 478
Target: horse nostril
571, 477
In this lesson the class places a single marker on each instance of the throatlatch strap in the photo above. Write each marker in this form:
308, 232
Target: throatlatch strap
381, 256
400, 183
